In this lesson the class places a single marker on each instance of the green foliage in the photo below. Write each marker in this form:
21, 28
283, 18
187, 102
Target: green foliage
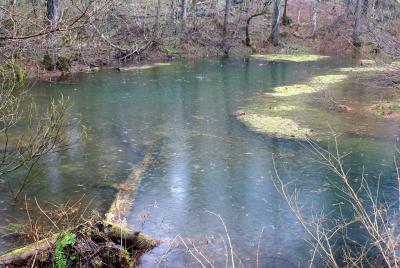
67, 239
17, 70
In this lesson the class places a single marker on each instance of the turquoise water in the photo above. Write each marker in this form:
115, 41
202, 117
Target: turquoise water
206, 160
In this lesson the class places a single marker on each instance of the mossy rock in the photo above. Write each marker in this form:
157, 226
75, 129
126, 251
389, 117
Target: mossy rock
289, 58
291, 90
274, 126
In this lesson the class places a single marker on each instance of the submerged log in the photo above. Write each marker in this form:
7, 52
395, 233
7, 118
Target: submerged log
126, 195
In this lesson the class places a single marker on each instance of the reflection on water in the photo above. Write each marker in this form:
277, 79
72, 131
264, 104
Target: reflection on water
208, 161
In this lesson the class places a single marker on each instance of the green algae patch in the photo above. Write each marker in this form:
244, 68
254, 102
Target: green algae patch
291, 90
362, 69
275, 126
394, 66
283, 108
145, 67
289, 57
328, 79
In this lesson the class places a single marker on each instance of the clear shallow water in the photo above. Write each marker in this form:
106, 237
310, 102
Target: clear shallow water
207, 160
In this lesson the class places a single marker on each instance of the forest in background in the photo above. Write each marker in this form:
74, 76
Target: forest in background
53, 37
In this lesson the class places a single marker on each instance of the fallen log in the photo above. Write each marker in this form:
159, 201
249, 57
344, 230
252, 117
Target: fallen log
102, 231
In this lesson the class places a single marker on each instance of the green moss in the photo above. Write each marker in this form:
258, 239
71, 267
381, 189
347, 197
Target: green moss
292, 90
289, 58
275, 126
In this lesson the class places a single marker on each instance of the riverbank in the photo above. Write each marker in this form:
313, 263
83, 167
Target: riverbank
92, 49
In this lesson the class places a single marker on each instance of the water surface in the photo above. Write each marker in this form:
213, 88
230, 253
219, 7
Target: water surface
205, 161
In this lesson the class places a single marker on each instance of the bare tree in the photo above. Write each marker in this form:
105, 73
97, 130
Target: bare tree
158, 11
52, 15
226, 15
357, 24
42, 136
275, 23
314, 7
184, 12
262, 12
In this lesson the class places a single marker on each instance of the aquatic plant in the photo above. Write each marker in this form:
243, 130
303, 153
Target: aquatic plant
291, 90
145, 67
275, 126
323, 80
289, 57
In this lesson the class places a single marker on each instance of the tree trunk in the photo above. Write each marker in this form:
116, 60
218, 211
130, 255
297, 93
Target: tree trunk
365, 7
226, 15
248, 43
357, 24
276, 22
158, 17
185, 4
314, 5
285, 19
184, 14
34, 4
52, 21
